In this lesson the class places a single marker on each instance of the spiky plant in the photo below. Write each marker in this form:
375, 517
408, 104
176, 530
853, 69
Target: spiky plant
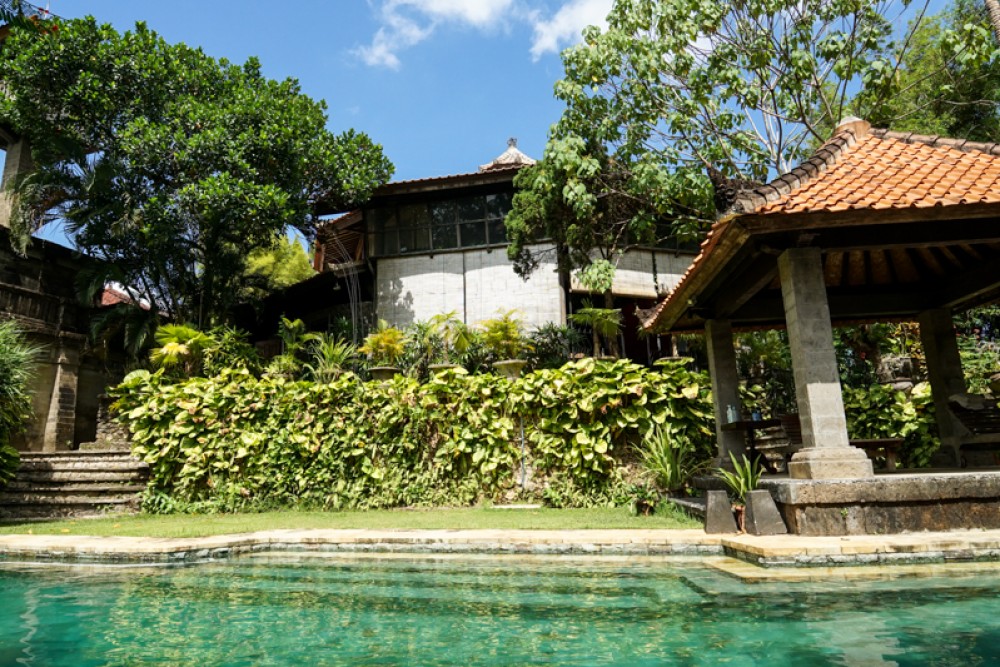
18, 358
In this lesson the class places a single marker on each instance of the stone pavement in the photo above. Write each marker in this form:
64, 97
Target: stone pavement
768, 551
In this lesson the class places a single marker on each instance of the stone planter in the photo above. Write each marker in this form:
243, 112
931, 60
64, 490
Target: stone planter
510, 368
384, 373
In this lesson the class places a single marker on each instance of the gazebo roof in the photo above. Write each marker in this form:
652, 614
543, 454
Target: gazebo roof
512, 157
905, 223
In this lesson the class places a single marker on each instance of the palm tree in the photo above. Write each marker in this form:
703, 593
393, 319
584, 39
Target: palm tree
993, 9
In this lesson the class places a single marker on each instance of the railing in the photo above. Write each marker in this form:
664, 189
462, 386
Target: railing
10, 9
42, 309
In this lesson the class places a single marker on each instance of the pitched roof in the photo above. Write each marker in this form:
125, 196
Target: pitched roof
858, 169
512, 157
861, 168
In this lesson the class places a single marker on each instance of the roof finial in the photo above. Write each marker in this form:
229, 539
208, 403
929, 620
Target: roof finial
512, 142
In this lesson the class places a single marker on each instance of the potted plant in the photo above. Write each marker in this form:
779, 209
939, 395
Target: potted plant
385, 347
605, 324
644, 500
740, 481
504, 338
455, 339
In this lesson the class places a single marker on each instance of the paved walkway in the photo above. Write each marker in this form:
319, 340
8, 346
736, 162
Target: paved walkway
783, 550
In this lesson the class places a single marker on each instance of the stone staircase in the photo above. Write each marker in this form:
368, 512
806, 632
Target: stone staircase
77, 483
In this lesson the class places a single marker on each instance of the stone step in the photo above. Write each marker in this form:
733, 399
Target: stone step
123, 466
18, 486
59, 484
11, 498
135, 474
83, 508
92, 455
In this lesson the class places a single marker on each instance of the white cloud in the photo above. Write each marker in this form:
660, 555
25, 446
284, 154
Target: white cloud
565, 26
406, 23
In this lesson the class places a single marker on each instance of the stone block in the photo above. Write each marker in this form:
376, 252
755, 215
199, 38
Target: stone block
762, 516
830, 463
719, 513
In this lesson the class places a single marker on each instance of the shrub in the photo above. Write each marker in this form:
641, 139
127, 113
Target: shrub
17, 360
235, 441
879, 411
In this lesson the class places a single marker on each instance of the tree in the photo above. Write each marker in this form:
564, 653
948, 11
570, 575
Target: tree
590, 209
172, 166
676, 94
271, 269
953, 97
993, 10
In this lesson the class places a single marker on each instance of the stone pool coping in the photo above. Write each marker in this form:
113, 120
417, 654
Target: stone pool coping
767, 551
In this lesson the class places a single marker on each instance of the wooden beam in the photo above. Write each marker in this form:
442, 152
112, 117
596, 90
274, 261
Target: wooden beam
844, 306
757, 224
970, 286
750, 283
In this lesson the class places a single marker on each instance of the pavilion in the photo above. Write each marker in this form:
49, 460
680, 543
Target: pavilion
876, 226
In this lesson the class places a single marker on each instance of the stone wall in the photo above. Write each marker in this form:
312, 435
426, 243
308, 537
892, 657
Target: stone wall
39, 292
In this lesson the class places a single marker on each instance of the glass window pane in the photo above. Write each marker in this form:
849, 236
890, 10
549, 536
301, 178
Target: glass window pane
497, 230
445, 237
385, 218
421, 239
444, 212
497, 206
405, 240
472, 233
388, 242
414, 215
471, 208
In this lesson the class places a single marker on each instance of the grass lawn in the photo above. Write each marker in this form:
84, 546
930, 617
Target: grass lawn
200, 525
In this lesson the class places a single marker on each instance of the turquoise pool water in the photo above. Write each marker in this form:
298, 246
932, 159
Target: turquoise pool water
276, 610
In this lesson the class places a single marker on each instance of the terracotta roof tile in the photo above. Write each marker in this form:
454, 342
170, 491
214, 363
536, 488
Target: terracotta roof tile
880, 169
863, 169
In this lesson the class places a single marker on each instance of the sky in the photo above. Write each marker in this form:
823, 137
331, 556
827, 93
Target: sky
441, 84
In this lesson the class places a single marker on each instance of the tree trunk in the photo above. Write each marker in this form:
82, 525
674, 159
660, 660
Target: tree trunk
993, 9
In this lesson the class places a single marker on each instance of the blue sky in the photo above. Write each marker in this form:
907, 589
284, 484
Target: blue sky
441, 84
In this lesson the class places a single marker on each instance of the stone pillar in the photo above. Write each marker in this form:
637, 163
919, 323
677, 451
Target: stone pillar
17, 163
826, 452
725, 387
944, 370
60, 423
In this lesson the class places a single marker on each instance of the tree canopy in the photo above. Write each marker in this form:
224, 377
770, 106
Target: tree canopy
674, 90
277, 267
169, 164
938, 94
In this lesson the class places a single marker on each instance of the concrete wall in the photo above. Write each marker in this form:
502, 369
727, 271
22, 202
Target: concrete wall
646, 274
474, 283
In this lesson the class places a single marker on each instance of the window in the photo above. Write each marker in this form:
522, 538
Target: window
447, 224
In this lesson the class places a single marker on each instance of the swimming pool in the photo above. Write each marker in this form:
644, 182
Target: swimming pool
275, 609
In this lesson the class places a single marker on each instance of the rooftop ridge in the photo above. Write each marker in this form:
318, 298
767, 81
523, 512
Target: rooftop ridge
936, 140
846, 137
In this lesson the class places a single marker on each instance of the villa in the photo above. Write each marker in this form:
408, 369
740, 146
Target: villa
424, 247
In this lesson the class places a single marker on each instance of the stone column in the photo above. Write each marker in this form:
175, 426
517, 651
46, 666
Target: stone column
17, 163
944, 370
826, 452
725, 388
60, 423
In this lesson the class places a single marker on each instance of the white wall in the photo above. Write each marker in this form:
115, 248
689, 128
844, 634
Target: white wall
634, 276
476, 284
